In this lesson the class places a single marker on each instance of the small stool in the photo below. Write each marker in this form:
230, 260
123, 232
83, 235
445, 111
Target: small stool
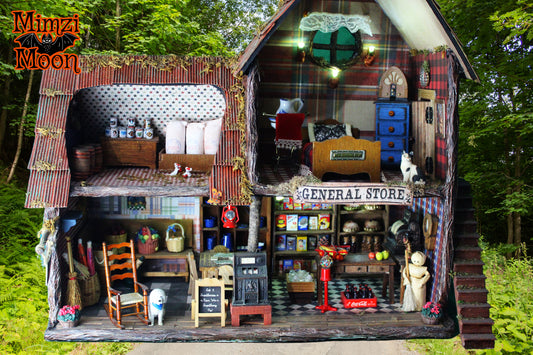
237, 311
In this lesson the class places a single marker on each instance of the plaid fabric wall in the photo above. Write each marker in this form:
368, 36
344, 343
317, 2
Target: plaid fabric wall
434, 260
438, 77
283, 76
116, 207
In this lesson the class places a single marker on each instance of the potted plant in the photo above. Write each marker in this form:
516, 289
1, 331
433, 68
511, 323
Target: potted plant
69, 316
431, 313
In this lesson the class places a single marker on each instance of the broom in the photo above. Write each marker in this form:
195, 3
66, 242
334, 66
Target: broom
409, 303
73, 289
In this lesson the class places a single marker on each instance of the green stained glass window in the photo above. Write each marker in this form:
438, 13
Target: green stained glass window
336, 49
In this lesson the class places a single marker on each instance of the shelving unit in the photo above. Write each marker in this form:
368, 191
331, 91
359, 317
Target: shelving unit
309, 253
360, 216
239, 235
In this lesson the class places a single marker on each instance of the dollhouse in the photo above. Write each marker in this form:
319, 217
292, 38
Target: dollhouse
217, 147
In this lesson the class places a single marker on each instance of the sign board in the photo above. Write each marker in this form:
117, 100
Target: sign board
355, 194
209, 300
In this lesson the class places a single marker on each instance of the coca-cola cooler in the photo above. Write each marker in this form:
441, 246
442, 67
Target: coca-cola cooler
250, 283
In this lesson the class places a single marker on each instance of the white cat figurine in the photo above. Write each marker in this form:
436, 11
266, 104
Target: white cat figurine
411, 172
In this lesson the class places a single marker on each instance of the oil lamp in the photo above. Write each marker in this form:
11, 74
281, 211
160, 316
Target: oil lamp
230, 217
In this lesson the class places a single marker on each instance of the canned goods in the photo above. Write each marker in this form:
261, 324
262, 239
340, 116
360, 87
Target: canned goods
130, 132
122, 132
131, 122
113, 122
108, 131
139, 132
113, 132
148, 133
147, 123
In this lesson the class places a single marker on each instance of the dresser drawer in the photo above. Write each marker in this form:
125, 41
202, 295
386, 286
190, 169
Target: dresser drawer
378, 268
391, 143
392, 112
391, 128
354, 269
391, 157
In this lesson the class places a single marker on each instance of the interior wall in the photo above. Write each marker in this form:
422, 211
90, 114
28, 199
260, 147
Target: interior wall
282, 76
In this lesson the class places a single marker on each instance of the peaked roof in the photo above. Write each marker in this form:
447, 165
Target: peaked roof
419, 22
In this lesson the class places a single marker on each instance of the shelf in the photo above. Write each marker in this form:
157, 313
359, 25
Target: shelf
292, 253
312, 231
304, 212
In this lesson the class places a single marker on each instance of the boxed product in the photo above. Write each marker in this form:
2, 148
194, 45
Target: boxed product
292, 222
287, 265
324, 221
307, 206
301, 243
303, 222
281, 242
281, 222
288, 204
311, 242
291, 242
313, 222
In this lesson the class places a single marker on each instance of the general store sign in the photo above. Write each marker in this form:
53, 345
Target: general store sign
355, 194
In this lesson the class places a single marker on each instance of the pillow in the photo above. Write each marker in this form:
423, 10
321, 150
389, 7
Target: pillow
175, 139
321, 132
195, 138
212, 136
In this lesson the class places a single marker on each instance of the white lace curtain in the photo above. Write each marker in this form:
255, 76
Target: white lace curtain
326, 22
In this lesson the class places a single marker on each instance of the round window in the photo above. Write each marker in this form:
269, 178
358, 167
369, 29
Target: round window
336, 49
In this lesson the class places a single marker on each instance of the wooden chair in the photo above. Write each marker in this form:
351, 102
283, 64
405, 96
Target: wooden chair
121, 267
226, 273
193, 273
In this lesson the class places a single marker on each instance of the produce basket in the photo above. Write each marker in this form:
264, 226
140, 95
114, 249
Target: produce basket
90, 290
175, 238
147, 240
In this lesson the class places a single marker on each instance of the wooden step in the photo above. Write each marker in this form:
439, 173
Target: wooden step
464, 201
475, 325
463, 214
468, 266
472, 280
466, 227
478, 341
473, 310
466, 239
467, 252
471, 295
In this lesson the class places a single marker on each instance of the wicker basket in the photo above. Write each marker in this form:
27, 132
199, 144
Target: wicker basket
429, 320
69, 323
90, 290
116, 238
175, 241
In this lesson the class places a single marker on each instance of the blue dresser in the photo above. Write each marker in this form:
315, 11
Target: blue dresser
392, 129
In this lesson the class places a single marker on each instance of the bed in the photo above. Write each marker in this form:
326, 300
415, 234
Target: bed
346, 155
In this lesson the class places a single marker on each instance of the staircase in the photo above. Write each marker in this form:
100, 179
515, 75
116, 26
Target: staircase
475, 325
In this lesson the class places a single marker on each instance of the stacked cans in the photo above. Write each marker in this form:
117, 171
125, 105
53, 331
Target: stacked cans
131, 130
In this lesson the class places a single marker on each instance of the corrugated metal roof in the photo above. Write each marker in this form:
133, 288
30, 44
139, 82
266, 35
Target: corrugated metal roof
49, 182
420, 23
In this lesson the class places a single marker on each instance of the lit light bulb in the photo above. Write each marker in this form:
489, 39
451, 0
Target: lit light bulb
301, 44
371, 50
335, 72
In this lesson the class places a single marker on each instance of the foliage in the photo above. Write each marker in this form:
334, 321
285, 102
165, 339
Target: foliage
496, 113
431, 310
69, 313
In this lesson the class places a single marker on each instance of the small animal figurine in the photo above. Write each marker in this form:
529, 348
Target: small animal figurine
411, 172
177, 170
187, 172
157, 300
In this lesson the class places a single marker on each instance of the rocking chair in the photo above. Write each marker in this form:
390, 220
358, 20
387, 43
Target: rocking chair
123, 267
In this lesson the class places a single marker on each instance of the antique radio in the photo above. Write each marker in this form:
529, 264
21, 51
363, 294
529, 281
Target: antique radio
250, 279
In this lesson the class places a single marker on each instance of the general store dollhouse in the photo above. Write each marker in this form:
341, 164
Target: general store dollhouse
295, 146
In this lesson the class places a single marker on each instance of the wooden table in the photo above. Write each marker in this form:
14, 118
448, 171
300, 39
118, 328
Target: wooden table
360, 264
165, 263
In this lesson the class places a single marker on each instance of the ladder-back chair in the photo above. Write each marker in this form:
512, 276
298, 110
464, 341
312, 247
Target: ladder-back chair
123, 267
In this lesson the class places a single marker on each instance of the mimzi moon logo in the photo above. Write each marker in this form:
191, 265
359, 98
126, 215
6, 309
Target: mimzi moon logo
43, 41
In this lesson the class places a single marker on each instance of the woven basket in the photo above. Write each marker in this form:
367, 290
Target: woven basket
69, 323
430, 320
116, 238
149, 247
90, 290
175, 241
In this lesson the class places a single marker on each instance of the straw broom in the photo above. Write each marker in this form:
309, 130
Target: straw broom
73, 289
409, 303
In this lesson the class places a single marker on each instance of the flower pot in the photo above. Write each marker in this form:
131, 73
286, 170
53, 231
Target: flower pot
430, 320
69, 323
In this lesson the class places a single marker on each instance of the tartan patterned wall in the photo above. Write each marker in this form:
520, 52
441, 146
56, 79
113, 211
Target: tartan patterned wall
434, 262
116, 207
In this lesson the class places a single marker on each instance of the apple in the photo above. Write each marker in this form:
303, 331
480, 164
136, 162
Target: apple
379, 256
371, 256
385, 254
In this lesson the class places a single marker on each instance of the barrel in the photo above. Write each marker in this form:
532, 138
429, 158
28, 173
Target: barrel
81, 162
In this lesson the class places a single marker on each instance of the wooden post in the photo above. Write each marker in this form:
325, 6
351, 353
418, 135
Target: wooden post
253, 224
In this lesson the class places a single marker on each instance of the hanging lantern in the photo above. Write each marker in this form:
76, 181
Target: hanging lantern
230, 217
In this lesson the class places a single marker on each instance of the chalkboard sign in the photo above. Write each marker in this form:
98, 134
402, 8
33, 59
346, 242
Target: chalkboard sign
209, 299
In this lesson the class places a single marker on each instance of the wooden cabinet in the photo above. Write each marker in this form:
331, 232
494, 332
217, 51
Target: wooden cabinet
239, 235
392, 130
130, 152
347, 214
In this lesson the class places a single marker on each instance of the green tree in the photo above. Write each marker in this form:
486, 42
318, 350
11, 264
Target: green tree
496, 114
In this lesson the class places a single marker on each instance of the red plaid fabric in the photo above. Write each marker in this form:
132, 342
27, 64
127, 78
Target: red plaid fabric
438, 73
441, 159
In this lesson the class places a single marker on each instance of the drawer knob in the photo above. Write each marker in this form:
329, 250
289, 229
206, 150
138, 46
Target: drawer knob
391, 129
391, 144
391, 113
391, 158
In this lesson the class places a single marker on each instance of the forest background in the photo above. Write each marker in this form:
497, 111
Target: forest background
496, 136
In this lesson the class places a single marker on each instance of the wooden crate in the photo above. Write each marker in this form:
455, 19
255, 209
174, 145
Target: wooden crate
301, 292
198, 162
359, 302
130, 152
